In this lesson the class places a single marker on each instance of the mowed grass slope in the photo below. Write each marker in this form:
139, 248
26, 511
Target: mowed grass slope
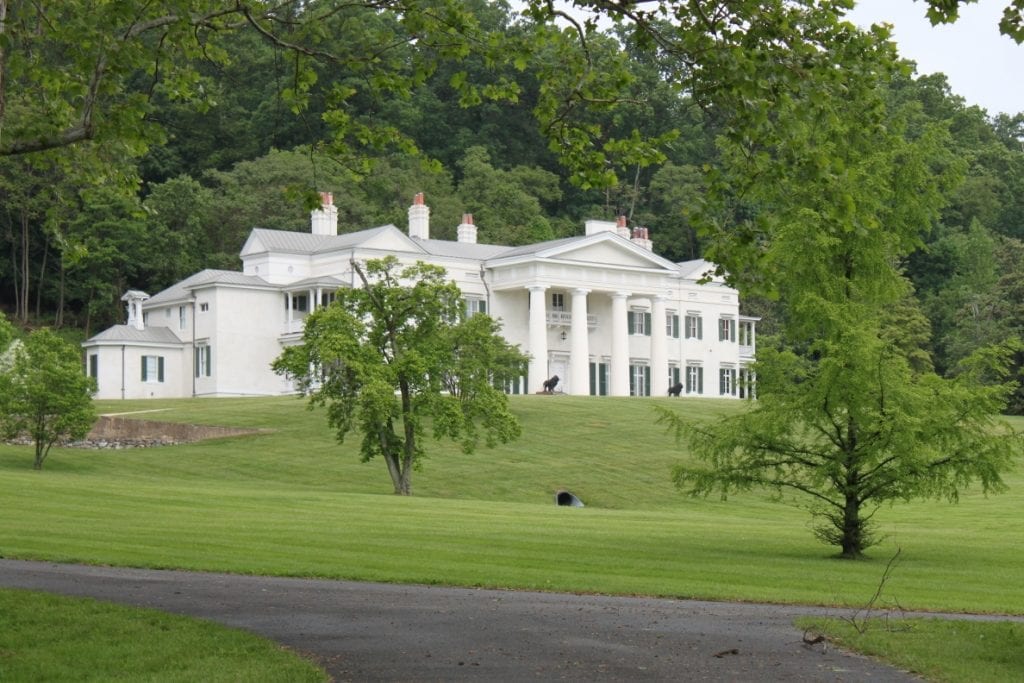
291, 501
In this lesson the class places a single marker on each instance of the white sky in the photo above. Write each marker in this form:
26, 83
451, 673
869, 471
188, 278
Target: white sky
982, 66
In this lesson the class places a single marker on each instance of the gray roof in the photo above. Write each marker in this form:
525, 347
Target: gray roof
528, 249
328, 280
182, 290
696, 269
308, 243
470, 250
128, 334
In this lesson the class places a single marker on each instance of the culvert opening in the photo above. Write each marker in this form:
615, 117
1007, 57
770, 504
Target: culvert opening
567, 499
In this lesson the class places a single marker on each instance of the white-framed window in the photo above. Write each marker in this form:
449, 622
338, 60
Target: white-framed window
94, 365
204, 307
300, 302
746, 333
672, 324
152, 369
694, 379
639, 380
557, 301
598, 379
693, 326
182, 317
674, 373
202, 360
327, 298
638, 322
727, 329
727, 381
474, 306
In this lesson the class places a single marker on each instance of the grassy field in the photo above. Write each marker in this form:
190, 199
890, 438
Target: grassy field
290, 501
51, 638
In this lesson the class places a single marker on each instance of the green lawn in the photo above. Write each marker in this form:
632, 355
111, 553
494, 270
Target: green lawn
51, 638
938, 649
291, 501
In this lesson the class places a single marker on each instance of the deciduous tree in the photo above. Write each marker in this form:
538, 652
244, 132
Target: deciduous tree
396, 357
45, 394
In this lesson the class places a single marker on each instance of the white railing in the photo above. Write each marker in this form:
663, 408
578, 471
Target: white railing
294, 326
564, 319
746, 351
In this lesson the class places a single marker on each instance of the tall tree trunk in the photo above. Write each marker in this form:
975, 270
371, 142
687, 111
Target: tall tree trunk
42, 278
59, 319
22, 305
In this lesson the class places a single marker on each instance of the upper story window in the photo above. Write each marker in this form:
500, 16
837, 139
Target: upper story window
204, 307
727, 329
300, 302
746, 333
694, 326
182, 317
638, 322
474, 306
557, 301
672, 324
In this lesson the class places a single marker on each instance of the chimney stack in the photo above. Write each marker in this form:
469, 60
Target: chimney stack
324, 221
419, 218
642, 237
467, 231
621, 228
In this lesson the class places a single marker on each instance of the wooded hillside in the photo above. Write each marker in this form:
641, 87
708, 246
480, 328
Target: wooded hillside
185, 128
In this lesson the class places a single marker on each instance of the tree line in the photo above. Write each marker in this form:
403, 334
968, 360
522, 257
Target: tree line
873, 218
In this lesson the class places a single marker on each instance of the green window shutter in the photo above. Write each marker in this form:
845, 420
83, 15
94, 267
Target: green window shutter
593, 379
700, 380
629, 321
195, 360
647, 380
700, 327
483, 306
675, 327
602, 379
732, 330
632, 380
160, 368
209, 359
647, 324
144, 369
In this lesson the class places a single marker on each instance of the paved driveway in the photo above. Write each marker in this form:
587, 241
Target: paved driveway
368, 631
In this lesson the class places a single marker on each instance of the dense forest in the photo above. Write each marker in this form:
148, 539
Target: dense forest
82, 224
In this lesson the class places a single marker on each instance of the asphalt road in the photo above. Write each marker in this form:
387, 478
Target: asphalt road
384, 632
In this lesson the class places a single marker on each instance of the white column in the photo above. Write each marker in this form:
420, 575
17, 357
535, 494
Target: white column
659, 351
579, 358
538, 367
619, 369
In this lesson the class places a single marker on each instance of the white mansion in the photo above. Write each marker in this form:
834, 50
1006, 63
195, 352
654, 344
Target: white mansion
601, 311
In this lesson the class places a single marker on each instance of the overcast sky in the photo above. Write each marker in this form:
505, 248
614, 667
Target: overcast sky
983, 67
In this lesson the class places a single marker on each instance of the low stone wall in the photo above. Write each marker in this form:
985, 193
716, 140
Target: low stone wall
120, 432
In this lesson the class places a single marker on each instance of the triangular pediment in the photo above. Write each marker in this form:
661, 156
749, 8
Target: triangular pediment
606, 249
253, 245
